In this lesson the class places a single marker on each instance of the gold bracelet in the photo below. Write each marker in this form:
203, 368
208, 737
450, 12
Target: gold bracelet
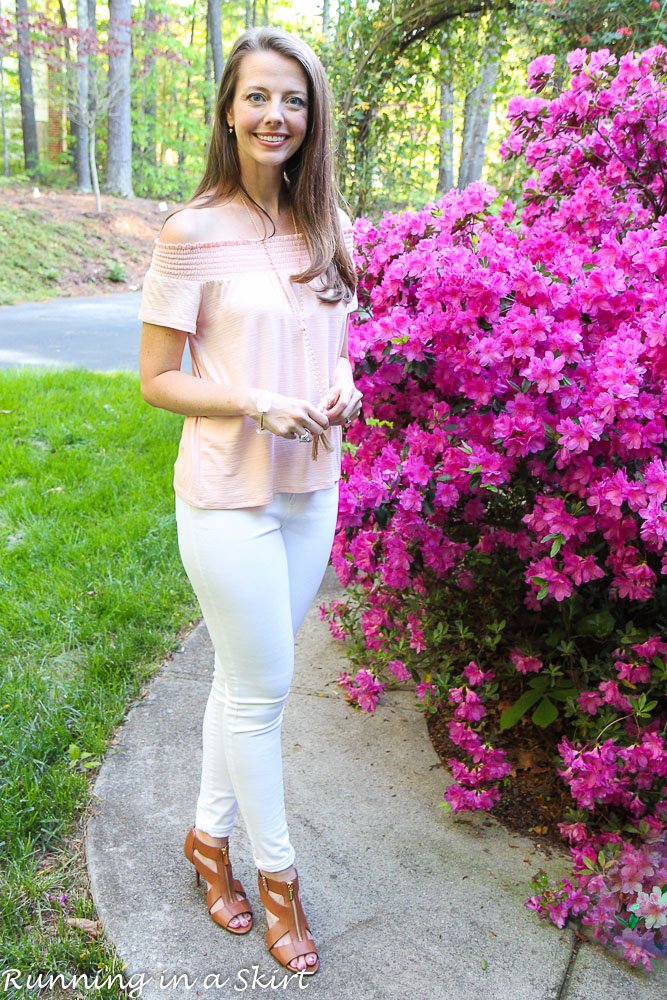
261, 421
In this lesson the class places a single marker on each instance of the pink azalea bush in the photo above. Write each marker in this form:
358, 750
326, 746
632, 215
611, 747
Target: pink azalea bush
514, 371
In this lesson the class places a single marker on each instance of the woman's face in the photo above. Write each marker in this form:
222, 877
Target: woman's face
271, 99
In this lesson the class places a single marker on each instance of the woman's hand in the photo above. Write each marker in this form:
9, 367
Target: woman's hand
342, 403
289, 416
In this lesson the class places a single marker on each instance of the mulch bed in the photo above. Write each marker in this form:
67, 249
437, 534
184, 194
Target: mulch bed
537, 797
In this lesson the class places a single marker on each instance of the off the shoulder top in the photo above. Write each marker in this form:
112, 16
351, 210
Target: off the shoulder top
244, 333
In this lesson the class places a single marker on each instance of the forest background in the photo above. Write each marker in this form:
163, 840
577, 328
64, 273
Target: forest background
126, 90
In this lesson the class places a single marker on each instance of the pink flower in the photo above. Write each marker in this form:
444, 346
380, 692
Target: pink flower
426, 692
471, 708
476, 676
399, 670
545, 371
525, 664
589, 702
539, 70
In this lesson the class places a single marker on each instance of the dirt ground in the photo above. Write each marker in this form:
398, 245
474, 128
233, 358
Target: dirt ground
136, 222
537, 798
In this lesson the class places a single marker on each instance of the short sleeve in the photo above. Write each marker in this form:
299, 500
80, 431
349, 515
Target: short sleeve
170, 298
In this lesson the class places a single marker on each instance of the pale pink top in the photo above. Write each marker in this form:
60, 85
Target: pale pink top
243, 333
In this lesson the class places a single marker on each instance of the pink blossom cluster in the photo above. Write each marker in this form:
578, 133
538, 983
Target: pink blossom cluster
490, 766
504, 354
363, 689
614, 775
614, 878
494, 348
631, 670
627, 878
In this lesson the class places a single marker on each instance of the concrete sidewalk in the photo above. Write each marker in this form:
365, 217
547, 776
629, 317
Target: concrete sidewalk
404, 900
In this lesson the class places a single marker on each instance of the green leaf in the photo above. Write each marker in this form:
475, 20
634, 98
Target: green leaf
511, 715
545, 713
556, 546
539, 683
601, 624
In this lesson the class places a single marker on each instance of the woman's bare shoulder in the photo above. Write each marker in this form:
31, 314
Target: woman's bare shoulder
201, 222
184, 226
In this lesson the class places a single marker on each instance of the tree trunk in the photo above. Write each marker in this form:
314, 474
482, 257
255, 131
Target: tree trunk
485, 102
265, 15
147, 153
119, 131
477, 108
82, 158
30, 146
92, 58
71, 88
93, 167
215, 26
248, 13
446, 140
469, 112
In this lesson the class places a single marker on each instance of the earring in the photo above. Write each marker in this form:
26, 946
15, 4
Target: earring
230, 129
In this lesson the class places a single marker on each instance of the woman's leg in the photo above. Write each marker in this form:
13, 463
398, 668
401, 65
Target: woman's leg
308, 533
236, 562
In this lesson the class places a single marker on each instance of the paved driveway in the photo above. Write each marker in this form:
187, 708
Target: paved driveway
98, 332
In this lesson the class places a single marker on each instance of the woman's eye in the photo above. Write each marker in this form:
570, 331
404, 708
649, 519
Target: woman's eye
300, 103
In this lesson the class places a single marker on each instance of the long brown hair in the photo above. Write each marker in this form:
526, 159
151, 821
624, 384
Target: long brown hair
309, 172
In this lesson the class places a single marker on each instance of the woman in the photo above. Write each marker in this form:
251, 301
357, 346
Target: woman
257, 272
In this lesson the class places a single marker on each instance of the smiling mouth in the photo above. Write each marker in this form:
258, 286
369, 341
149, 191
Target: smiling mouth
271, 139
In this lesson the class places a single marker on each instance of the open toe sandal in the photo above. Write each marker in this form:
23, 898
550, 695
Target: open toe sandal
222, 880
290, 918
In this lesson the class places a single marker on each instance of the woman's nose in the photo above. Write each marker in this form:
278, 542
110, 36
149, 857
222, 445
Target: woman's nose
274, 112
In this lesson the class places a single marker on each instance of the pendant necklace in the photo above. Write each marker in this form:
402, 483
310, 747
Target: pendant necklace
299, 313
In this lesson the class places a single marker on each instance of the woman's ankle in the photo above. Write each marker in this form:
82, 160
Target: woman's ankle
206, 838
286, 875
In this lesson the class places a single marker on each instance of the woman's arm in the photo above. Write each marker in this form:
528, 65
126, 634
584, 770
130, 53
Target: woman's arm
164, 385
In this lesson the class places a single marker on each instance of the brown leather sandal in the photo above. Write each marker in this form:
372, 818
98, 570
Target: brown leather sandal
290, 918
222, 882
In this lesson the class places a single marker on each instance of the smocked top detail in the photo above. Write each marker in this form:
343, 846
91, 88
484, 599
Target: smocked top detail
223, 258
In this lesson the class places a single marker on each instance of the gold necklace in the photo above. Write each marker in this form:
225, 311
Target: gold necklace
300, 318
300, 312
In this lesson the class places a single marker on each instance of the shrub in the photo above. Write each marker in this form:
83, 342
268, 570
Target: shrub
513, 455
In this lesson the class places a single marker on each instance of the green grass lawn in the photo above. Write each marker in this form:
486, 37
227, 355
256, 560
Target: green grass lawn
92, 596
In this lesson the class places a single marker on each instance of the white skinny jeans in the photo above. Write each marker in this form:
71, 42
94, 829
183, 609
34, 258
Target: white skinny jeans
255, 571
